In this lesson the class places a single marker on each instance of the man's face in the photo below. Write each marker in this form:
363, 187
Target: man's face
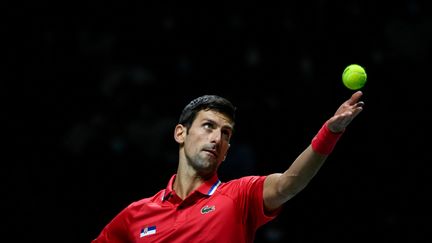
207, 141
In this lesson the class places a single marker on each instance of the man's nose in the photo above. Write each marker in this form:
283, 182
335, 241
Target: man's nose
216, 136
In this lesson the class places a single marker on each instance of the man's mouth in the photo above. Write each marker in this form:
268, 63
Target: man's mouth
212, 152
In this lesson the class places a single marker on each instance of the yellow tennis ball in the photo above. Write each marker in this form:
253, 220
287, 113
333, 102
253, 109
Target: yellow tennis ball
354, 77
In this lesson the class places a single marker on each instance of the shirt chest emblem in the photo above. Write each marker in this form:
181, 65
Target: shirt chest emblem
208, 209
148, 231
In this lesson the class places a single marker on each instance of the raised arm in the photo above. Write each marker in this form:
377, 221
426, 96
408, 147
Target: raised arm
280, 187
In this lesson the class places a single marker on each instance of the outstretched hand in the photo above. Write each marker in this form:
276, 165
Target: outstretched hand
346, 113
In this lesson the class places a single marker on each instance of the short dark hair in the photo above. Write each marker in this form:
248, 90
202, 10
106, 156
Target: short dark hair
206, 102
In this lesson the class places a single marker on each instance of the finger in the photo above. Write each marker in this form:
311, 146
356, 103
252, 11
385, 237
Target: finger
359, 104
355, 98
356, 111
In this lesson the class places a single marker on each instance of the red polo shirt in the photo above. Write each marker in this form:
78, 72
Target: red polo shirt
215, 212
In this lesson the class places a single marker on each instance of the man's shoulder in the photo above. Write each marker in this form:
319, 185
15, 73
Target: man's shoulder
245, 181
148, 200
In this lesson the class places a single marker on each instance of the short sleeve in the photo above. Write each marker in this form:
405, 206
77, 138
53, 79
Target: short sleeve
251, 200
115, 231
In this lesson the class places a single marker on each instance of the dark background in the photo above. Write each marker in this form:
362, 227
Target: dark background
92, 93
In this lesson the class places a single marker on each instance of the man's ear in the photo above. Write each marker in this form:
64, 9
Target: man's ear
179, 133
226, 153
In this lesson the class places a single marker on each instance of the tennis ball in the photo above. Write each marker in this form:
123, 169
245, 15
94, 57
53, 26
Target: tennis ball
354, 77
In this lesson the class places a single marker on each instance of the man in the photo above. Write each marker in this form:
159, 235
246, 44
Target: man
196, 206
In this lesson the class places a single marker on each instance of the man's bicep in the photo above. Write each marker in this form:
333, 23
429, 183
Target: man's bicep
272, 196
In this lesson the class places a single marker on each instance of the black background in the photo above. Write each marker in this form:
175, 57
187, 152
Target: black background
92, 93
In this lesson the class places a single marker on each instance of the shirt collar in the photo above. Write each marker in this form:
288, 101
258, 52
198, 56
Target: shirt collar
207, 188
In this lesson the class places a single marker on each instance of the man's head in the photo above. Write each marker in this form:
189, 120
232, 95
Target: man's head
206, 102
204, 131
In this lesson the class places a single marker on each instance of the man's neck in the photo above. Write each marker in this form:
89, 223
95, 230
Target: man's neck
183, 186
187, 180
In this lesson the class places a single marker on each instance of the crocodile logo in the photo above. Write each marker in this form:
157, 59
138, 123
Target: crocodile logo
207, 209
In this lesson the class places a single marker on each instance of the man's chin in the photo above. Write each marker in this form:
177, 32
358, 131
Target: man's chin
206, 168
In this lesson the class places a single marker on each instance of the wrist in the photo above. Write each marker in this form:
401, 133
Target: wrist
325, 140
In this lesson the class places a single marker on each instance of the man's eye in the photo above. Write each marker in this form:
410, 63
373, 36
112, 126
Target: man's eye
226, 133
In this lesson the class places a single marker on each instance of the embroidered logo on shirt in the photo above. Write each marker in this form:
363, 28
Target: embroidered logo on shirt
207, 209
148, 231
